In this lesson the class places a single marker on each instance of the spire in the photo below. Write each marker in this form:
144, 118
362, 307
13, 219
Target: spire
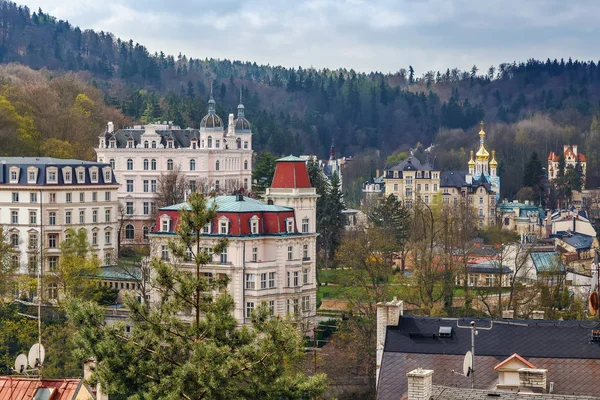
332, 150
240, 106
471, 161
482, 153
211, 100
493, 163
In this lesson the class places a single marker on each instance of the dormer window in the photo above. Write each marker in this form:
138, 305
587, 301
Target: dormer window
94, 174
170, 144
206, 228
224, 226
107, 175
165, 223
194, 144
113, 143
67, 174
254, 225
81, 175
31, 175
130, 144
14, 176
51, 177
289, 225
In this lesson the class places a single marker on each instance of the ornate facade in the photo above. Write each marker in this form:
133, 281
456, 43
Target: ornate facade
271, 257
573, 159
214, 157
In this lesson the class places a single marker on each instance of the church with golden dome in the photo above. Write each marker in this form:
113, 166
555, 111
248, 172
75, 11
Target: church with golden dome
480, 184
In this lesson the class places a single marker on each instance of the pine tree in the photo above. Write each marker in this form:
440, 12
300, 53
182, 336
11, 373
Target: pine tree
393, 218
205, 356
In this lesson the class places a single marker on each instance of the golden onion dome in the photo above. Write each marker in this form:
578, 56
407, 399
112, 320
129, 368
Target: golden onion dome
493, 163
482, 154
471, 161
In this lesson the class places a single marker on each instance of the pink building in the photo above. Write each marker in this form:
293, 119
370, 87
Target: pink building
214, 157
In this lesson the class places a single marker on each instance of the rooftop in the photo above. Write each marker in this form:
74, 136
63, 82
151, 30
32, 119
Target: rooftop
16, 387
455, 393
232, 204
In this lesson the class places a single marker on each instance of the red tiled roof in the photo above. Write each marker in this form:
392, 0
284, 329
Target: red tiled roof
518, 357
18, 388
291, 174
554, 157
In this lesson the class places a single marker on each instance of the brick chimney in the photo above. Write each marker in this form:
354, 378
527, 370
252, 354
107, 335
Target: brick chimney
388, 314
420, 384
533, 378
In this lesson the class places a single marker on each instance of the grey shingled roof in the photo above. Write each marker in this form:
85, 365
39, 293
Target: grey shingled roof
563, 347
232, 204
454, 393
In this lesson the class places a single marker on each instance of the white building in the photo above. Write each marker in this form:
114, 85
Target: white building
213, 157
271, 256
41, 198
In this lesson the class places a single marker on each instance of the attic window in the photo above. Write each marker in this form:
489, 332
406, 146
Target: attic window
596, 335
445, 331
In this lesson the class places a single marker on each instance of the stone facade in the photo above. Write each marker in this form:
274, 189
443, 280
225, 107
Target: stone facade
213, 157
41, 198
411, 179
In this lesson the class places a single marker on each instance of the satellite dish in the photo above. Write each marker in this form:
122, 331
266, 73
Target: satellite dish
468, 364
36, 355
593, 303
21, 363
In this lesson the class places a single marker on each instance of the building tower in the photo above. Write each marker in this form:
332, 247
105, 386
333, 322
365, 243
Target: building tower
481, 165
291, 187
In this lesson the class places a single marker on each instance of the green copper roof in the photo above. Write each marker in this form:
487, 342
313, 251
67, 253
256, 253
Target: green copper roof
120, 273
232, 204
291, 158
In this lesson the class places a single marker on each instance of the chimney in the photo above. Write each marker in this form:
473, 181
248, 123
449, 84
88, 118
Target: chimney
388, 314
531, 378
110, 127
420, 384
377, 173
565, 147
574, 149
508, 314
537, 314
230, 126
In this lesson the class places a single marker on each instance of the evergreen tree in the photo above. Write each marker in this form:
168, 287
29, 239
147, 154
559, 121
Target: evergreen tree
205, 356
263, 171
393, 218
332, 220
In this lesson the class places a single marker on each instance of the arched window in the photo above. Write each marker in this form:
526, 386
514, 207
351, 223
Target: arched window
145, 164
239, 143
145, 144
129, 232
209, 141
170, 164
112, 163
53, 291
245, 164
146, 230
14, 239
154, 144
217, 186
129, 164
153, 164
192, 165
217, 165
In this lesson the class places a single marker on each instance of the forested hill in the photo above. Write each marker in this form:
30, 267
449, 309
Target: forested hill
533, 105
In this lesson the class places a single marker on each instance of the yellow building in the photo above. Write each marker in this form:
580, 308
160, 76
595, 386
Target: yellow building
479, 184
411, 179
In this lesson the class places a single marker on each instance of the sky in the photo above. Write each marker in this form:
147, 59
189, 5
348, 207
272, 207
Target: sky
366, 35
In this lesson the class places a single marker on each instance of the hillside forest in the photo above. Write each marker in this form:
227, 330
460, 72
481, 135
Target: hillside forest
60, 84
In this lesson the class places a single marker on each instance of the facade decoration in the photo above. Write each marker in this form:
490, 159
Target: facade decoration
573, 159
214, 157
272, 246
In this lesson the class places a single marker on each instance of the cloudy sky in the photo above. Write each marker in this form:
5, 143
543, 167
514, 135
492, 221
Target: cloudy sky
367, 35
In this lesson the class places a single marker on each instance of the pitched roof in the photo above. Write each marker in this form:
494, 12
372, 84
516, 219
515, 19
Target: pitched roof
232, 204
412, 163
562, 347
15, 387
578, 240
515, 356
487, 267
291, 172
545, 261
454, 393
